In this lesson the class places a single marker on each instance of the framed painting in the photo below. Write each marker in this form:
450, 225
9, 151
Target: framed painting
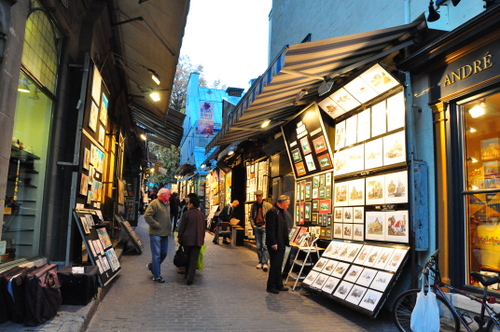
395, 148
374, 154
396, 112
330, 285
94, 113
102, 135
315, 193
315, 205
347, 231
374, 227
364, 124
343, 289
314, 218
319, 144
375, 190
347, 215
308, 190
340, 193
358, 213
84, 184
86, 158
372, 256
296, 156
302, 190
307, 211
325, 206
322, 192
337, 214
300, 169
310, 277
325, 162
340, 135
328, 179
320, 264
351, 124
397, 226
315, 182
96, 84
366, 277
356, 189
378, 119
337, 230
311, 166
396, 187
306, 147
329, 266
103, 111
358, 232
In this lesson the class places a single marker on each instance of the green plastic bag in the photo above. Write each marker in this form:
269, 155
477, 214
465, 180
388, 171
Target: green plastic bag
200, 266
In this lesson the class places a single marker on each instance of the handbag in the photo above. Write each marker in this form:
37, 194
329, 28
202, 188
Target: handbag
180, 258
425, 314
201, 265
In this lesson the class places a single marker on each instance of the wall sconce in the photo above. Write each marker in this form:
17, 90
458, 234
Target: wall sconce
143, 137
433, 14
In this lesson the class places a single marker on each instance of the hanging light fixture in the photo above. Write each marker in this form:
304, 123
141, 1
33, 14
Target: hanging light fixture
433, 14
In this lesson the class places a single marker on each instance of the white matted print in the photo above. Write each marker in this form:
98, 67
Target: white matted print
381, 281
383, 258
340, 270
340, 135
320, 264
310, 163
370, 300
344, 99
366, 277
351, 124
330, 266
310, 277
356, 158
347, 215
358, 214
329, 249
374, 153
358, 232
343, 290
340, 162
375, 190
396, 187
347, 231
356, 294
374, 226
379, 79
344, 251
356, 192
353, 274
396, 112
395, 148
331, 107
379, 124
338, 214
330, 285
363, 254
337, 230
341, 189
397, 227
372, 256
364, 124
320, 281
361, 90
396, 260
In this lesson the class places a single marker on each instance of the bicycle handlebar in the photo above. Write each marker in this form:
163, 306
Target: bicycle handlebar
430, 262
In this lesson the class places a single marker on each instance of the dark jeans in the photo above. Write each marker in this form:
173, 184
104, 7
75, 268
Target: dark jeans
275, 279
192, 253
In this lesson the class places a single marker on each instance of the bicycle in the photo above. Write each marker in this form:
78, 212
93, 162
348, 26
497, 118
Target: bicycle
451, 318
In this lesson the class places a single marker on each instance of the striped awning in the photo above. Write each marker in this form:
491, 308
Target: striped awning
292, 80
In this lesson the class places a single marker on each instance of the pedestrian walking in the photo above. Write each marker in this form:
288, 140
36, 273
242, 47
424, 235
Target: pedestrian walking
258, 221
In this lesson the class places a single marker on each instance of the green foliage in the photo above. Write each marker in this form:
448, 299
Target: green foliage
182, 73
168, 158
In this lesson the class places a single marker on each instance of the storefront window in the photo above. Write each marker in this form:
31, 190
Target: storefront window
482, 161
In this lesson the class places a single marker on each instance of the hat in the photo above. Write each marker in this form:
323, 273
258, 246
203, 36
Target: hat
259, 192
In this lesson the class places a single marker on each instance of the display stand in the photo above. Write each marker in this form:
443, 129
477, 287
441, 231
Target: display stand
132, 235
303, 262
99, 247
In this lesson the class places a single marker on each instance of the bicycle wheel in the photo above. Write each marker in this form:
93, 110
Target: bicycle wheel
403, 307
492, 326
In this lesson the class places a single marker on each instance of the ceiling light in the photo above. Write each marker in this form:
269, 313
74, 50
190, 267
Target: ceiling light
477, 111
155, 96
143, 137
154, 76
265, 123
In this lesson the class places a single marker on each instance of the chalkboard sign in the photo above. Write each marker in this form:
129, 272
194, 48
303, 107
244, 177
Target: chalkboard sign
134, 238
98, 243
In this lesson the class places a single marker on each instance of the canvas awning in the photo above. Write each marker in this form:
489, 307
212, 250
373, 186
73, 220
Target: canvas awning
300, 70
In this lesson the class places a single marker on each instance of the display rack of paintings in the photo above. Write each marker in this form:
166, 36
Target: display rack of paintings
96, 239
358, 275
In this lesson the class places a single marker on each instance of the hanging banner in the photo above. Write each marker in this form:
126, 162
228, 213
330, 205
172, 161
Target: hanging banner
206, 119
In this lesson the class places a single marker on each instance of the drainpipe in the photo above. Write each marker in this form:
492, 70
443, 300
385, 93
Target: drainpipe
407, 11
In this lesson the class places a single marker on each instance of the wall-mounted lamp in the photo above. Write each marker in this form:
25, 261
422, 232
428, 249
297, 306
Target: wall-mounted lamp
154, 75
433, 14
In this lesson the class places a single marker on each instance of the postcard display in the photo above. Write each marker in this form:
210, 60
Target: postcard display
98, 243
257, 179
360, 198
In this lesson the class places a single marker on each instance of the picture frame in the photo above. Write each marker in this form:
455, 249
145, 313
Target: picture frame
302, 190
383, 258
347, 216
378, 119
337, 230
314, 218
315, 193
296, 156
96, 85
353, 273
395, 148
322, 192
379, 79
375, 190
375, 226
310, 278
356, 192
300, 169
358, 232
356, 294
102, 135
361, 90
307, 211
396, 112
381, 281
319, 144
325, 206
308, 190
322, 180
397, 226
85, 226
315, 182
304, 144
358, 214
103, 110
341, 162
328, 179
370, 300
315, 205
396, 187
355, 158
329, 266
84, 184
86, 158
396, 259
343, 289
374, 157
320, 264
330, 285
94, 113
347, 231
351, 124
364, 125
340, 193
331, 108
338, 215
340, 270
311, 166
340, 135
344, 99
325, 162
320, 281
363, 254
366, 277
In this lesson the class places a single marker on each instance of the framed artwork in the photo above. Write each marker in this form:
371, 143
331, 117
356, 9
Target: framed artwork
360, 90
363, 254
322, 192
306, 147
358, 213
328, 191
341, 159
315, 182
344, 251
490, 149
86, 158
299, 168
379, 79
344, 99
102, 135
330, 265
307, 190
358, 232
383, 258
364, 125
395, 148
396, 187
396, 260
337, 249
84, 184
355, 158
328, 179
103, 113
372, 256
94, 113
337, 230
301, 213
307, 211
347, 231
381, 281
366, 277
396, 112
293, 234
397, 227
374, 154
347, 215
343, 289
325, 206
321, 180
331, 108
375, 190
337, 214
320, 264
356, 189
340, 135
340, 270
340, 193
85, 226
314, 218
351, 124
297, 213
330, 285
302, 190
354, 249
325, 161
315, 193
319, 144
370, 300
328, 219
320, 281
353, 274
296, 156
310, 162
113, 259
96, 85
315, 205
310, 277
356, 294
379, 123
374, 227
329, 249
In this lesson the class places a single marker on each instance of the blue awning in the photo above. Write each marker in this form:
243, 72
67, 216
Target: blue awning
304, 67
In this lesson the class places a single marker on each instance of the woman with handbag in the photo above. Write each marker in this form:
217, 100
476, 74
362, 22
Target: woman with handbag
192, 235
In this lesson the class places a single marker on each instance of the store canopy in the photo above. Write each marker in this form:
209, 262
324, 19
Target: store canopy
293, 79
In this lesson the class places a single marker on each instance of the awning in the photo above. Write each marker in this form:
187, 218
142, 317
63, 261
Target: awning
293, 78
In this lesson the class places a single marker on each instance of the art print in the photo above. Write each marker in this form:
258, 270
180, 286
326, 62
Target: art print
113, 259
397, 226
361, 90
490, 149
344, 99
315, 182
343, 290
341, 158
341, 189
383, 258
395, 148
347, 231
354, 249
315, 204
101, 136
356, 294
330, 266
310, 277
103, 113
301, 213
328, 192
331, 108
396, 187
363, 254
358, 213
340, 135
396, 112
330, 285
90, 245
307, 211
85, 226
379, 123
296, 156
314, 218
344, 251
319, 144
300, 169
293, 234
104, 237
320, 281
370, 300
340, 270
307, 190
364, 125
358, 232
328, 179
347, 215
381, 281
375, 190
379, 79
372, 256
337, 249
302, 190
338, 214
306, 147
320, 264
329, 249
353, 273
351, 124
94, 113
321, 180
86, 158
96, 85
325, 206
356, 158
374, 154
374, 227
366, 277
337, 230
396, 260
356, 189
84, 184
310, 163
322, 192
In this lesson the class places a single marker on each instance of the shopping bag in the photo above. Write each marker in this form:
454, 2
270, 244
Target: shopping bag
425, 314
180, 258
200, 265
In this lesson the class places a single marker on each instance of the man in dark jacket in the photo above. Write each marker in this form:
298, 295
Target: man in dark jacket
225, 216
192, 235
277, 240
174, 210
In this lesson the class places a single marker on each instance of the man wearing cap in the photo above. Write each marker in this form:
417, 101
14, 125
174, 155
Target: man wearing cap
258, 222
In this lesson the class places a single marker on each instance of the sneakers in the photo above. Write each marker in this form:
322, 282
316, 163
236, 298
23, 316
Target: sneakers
265, 268
160, 280
259, 266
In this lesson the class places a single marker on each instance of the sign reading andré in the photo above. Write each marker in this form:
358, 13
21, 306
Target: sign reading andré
468, 70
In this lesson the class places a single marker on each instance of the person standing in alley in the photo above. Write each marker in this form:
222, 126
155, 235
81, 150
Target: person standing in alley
277, 240
224, 216
174, 210
157, 216
192, 235
258, 222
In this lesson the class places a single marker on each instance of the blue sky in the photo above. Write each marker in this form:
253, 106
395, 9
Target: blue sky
229, 38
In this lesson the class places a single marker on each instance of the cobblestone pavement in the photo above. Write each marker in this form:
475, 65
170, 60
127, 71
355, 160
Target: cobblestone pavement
228, 295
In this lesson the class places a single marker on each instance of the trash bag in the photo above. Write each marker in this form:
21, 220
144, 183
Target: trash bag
200, 265
180, 258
